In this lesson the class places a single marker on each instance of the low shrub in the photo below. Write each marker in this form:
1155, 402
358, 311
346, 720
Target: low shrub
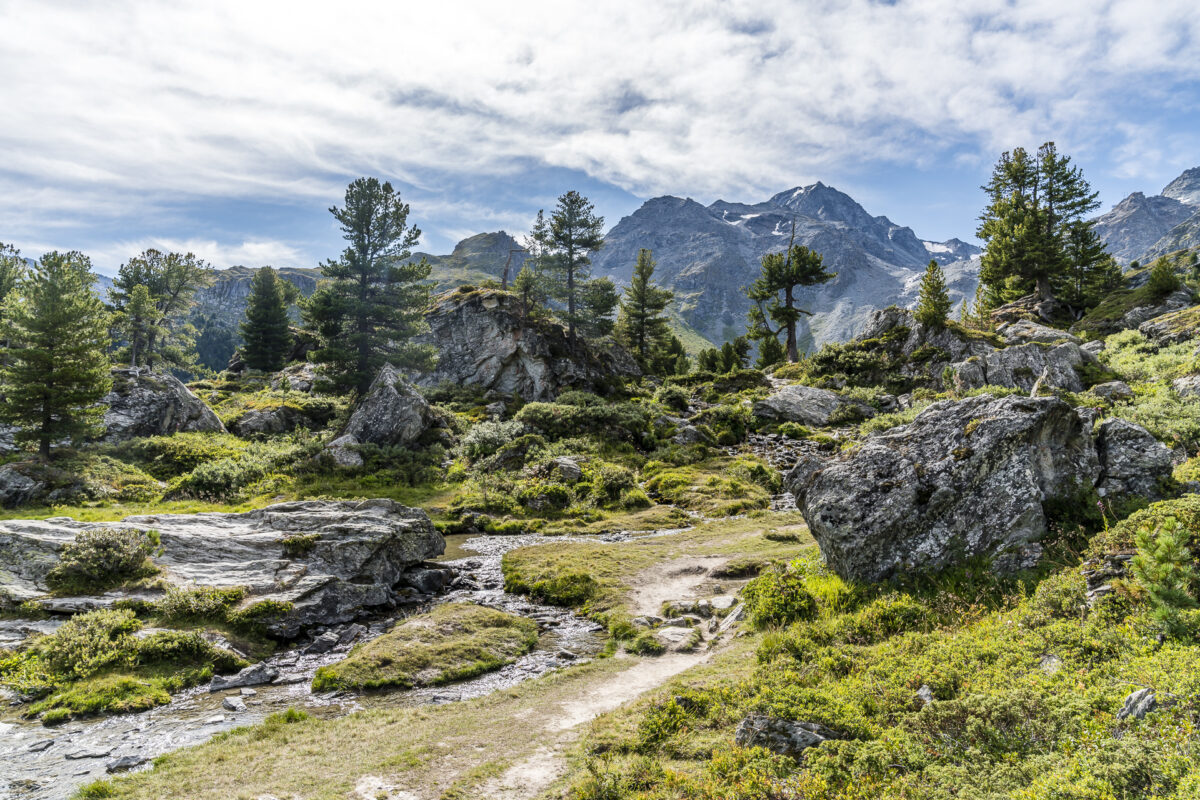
486, 438
673, 398
89, 642
779, 597
102, 558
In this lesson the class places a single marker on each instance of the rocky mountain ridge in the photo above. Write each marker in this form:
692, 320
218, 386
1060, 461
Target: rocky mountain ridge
1141, 228
707, 255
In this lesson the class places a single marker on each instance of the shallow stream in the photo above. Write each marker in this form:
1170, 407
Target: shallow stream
40, 763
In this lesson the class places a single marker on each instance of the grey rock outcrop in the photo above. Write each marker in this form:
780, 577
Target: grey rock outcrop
950, 344
1132, 461
1022, 366
392, 413
281, 419
360, 552
965, 478
1138, 704
809, 406
145, 403
15, 488
482, 341
1172, 328
1112, 391
1175, 301
1024, 331
785, 737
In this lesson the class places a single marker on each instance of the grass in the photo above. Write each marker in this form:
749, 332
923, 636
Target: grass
596, 577
452, 642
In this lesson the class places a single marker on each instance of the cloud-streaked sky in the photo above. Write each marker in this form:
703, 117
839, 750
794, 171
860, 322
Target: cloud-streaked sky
228, 128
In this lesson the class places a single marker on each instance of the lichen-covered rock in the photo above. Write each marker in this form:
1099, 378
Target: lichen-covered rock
16, 488
1172, 328
281, 419
810, 406
1112, 390
1021, 366
392, 413
482, 341
1024, 331
145, 403
925, 349
965, 478
1132, 461
1188, 386
296, 378
782, 736
354, 554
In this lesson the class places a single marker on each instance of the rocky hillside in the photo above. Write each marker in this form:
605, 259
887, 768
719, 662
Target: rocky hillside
1141, 228
708, 254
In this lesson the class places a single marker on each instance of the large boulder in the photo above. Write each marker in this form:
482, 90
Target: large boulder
391, 413
1132, 461
330, 560
1024, 331
965, 478
1172, 328
809, 406
1022, 366
482, 341
146, 403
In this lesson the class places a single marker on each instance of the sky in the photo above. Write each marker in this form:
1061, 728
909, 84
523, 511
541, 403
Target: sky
229, 128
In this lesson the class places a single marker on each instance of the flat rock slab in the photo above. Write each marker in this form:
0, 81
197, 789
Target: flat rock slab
354, 553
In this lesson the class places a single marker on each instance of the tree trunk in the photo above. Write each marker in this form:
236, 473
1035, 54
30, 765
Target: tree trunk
571, 302
793, 352
1044, 290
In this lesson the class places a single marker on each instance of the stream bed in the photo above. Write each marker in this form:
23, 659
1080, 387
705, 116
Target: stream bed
49, 763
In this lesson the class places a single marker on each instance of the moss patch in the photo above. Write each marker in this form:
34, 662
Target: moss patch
452, 642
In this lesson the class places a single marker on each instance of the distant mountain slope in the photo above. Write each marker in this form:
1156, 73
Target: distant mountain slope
475, 259
708, 255
1140, 228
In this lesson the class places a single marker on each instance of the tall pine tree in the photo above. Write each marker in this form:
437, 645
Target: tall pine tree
137, 322
564, 249
55, 369
172, 280
372, 305
1034, 201
933, 303
642, 327
774, 292
265, 330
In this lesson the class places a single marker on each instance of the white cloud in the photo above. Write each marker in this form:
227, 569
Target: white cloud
220, 255
128, 102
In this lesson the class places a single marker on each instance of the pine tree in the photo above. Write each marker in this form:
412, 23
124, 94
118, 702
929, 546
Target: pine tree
709, 360
1163, 280
172, 280
55, 369
1088, 275
530, 288
642, 325
12, 269
265, 332
564, 248
1033, 201
373, 302
137, 322
770, 353
598, 298
1164, 567
782, 273
933, 304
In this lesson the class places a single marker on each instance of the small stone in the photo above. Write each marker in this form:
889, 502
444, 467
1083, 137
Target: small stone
723, 603
80, 754
38, 747
252, 675
1138, 704
216, 720
233, 704
1050, 664
246, 691
123, 763
567, 655
925, 695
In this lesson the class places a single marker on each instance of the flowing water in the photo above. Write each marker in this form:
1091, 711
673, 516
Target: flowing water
40, 763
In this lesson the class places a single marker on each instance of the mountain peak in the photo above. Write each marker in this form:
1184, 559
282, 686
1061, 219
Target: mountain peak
1185, 188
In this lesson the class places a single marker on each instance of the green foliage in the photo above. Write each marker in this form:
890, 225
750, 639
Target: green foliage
779, 597
709, 487
673, 398
569, 589
89, 642
563, 249
1163, 280
645, 644
627, 422
726, 424
642, 325
933, 303
1034, 203
453, 642
102, 558
265, 333
485, 438
1135, 358
372, 302
198, 603
1172, 418
167, 457
773, 293
171, 281
1165, 568
249, 472
138, 323
53, 369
